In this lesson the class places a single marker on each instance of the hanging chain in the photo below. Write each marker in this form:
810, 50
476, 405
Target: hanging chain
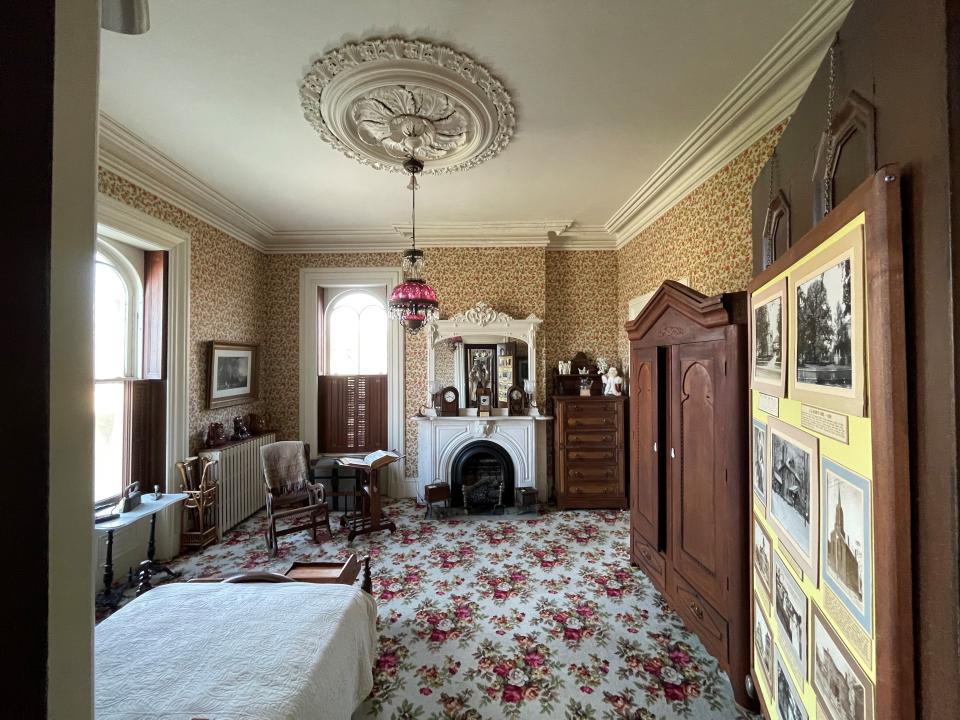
768, 239
831, 91
413, 211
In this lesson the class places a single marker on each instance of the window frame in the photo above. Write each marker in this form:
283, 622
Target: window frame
109, 255
378, 293
133, 340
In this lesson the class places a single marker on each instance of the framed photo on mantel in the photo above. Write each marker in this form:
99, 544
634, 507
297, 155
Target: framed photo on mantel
233, 374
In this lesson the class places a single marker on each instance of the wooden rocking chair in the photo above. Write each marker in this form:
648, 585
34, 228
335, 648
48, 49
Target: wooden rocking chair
291, 495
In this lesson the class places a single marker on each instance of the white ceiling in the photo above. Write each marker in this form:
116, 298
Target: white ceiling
605, 91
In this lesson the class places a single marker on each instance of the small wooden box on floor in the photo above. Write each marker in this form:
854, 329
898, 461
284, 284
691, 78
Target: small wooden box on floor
589, 440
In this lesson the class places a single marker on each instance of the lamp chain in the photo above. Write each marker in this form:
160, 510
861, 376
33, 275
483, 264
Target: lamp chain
831, 91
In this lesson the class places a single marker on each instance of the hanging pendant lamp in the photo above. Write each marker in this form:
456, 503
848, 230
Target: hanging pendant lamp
413, 302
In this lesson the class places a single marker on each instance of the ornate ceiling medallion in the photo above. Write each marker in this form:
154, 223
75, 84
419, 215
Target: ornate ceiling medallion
382, 101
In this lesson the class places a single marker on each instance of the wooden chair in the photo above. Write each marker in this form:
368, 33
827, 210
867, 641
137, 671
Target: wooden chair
199, 513
291, 496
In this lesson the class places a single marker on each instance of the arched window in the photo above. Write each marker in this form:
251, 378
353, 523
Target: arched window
356, 337
118, 300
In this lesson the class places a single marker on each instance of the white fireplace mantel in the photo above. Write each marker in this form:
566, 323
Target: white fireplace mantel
524, 438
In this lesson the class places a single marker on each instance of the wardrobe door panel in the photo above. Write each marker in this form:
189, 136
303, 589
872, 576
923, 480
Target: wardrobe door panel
696, 466
646, 477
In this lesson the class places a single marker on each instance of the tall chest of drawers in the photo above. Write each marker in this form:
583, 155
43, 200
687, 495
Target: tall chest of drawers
589, 451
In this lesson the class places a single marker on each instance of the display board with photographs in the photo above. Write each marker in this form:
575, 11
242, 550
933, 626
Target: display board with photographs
830, 603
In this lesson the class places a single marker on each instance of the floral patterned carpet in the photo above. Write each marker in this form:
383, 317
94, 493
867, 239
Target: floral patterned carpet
508, 617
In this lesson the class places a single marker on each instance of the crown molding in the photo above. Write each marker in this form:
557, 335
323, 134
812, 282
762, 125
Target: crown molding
769, 93
552, 235
583, 237
126, 154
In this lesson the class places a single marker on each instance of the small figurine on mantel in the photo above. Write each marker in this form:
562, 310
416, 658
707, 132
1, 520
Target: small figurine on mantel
612, 382
602, 365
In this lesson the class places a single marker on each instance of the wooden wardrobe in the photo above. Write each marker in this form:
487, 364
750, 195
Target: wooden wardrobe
689, 479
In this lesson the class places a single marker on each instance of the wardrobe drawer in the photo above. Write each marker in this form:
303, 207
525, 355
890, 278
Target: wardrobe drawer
588, 454
580, 473
591, 437
652, 561
709, 624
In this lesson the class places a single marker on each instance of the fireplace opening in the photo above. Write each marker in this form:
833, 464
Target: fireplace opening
481, 477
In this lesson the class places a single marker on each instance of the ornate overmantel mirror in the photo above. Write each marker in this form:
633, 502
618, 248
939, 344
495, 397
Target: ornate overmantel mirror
482, 345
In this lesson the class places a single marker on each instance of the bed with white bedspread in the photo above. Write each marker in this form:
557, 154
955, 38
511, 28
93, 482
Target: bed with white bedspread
284, 651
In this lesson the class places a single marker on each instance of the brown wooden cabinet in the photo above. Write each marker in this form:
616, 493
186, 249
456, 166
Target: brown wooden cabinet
689, 498
589, 441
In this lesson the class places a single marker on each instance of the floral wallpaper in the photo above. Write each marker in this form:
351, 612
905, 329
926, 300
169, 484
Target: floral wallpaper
705, 236
581, 305
225, 277
509, 279
239, 294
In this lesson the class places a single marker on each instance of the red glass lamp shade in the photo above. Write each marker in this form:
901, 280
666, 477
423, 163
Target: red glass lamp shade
414, 303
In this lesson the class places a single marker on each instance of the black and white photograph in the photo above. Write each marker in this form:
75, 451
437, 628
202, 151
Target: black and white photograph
762, 557
232, 374
794, 507
789, 703
790, 613
842, 689
827, 328
846, 540
762, 644
767, 333
759, 464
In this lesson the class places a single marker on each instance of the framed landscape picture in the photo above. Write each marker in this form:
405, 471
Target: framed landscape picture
762, 645
758, 455
846, 544
789, 703
233, 374
794, 503
843, 690
768, 365
790, 613
827, 365
762, 558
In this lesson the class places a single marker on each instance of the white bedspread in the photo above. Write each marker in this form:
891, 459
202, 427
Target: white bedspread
281, 651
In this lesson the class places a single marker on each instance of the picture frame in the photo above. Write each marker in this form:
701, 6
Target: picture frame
846, 540
843, 690
758, 462
827, 332
788, 700
762, 644
233, 373
793, 508
763, 559
791, 617
768, 339
479, 370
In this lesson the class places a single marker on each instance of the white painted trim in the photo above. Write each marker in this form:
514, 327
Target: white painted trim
118, 221
769, 93
126, 154
311, 280
134, 283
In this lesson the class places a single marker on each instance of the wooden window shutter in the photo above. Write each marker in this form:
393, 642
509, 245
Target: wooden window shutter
155, 315
352, 413
145, 433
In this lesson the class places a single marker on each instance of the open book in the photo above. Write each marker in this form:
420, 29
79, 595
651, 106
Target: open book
374, 461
